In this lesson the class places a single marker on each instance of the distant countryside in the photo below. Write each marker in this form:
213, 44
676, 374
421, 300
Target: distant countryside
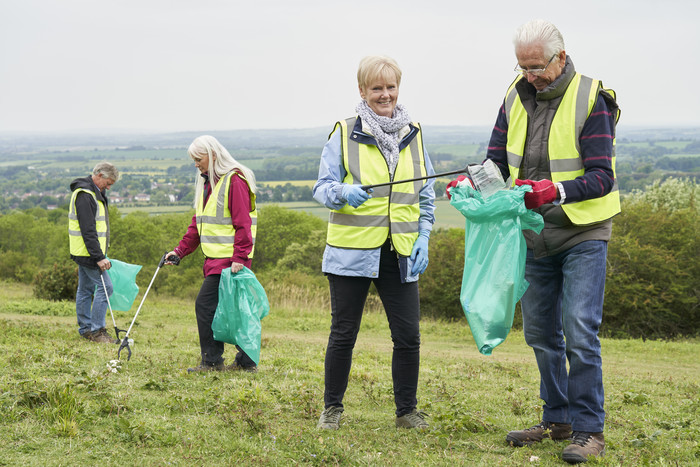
35, 170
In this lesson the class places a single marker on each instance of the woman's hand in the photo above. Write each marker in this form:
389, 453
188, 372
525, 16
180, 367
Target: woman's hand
235, 267
167, 258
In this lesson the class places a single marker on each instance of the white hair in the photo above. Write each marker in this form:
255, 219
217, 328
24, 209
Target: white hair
542, 32
224, 163
107, 170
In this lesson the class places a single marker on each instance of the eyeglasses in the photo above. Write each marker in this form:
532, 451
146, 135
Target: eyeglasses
534, 71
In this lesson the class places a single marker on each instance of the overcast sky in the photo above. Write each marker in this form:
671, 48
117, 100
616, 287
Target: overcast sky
179, 65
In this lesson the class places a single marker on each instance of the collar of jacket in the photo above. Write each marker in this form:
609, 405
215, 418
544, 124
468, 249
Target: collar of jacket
366, 138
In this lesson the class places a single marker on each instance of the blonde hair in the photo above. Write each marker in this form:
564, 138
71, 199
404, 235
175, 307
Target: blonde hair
224, 163
374, 67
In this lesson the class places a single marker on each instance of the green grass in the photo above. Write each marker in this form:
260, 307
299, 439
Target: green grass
62, 404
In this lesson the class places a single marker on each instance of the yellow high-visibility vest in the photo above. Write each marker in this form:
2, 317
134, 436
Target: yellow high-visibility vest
76, 242
216, 232
565, 161
392, 211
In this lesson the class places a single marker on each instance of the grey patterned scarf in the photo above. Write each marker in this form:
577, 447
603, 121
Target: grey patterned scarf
385, 130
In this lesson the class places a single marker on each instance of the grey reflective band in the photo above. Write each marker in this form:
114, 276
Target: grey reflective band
404, 198
77, 233
566, 165
581, 116
510, 100
228, 239
214, 220
404, 227
352, 220
353, 151
514, 160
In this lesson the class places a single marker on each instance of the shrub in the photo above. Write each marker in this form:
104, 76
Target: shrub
279, 227
58, 283
441, 283
18, 266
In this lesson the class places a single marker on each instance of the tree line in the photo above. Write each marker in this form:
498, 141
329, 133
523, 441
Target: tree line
653, 276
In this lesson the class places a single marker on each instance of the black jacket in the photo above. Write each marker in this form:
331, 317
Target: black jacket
86, 210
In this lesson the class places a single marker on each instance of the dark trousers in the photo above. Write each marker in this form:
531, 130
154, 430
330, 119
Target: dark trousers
348, 295
205, 309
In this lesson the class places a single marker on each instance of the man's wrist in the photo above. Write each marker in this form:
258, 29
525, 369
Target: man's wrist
562, 193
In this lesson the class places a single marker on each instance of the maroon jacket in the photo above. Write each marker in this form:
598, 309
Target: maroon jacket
239, 205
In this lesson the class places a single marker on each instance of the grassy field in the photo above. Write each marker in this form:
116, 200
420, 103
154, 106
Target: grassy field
63, 403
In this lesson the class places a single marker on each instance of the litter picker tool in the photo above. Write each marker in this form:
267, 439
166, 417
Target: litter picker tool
116, 329
444, 174
126, 341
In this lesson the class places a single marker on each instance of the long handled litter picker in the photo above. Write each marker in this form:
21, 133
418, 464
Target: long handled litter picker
126, 340
444, 174
116, 329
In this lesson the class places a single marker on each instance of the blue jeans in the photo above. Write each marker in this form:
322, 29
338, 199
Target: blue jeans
90, 299
562, 311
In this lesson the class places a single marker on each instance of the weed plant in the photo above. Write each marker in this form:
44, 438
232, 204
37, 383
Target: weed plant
67, 401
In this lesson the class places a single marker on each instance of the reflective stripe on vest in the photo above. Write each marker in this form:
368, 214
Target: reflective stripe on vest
563, 145
392, 210
76, 242
216, 232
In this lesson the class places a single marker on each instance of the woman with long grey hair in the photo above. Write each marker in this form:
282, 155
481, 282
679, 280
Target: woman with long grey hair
224, 226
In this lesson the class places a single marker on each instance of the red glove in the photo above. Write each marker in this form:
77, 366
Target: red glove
454, 183
543, 192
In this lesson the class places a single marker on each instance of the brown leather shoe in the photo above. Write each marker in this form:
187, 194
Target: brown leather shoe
584, 445
535, 434
102, 336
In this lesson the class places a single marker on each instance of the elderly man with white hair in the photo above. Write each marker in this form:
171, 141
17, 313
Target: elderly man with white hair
555, 132
88, 231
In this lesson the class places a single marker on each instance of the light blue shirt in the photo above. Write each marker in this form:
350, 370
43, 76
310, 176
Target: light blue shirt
328, 191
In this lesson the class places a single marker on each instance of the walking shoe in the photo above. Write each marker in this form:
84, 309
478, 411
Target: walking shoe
584, 445
236, 367
87, 335
104, 332
206, 367
330, 419
414, 419
101, 336
535, 434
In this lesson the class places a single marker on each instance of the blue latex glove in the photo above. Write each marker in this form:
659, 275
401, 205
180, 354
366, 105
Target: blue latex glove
355, 195
419, 255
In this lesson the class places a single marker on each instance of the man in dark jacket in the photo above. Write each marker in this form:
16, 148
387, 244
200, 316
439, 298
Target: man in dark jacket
556, 132
88, 230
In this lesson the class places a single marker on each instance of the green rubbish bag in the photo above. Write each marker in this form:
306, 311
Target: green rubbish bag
494, 259
123, 277
242, 304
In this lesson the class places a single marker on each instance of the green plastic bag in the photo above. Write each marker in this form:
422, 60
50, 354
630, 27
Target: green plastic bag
123, 277
494, 259
242, 304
